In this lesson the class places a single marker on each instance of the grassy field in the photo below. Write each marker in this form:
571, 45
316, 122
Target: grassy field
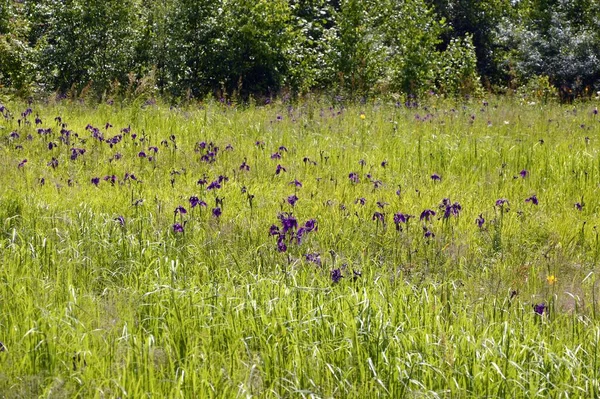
299, 251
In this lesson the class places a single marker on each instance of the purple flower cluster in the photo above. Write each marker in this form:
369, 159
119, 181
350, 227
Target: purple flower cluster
289, 231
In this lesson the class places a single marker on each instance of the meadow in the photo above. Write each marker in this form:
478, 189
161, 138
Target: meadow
299, 250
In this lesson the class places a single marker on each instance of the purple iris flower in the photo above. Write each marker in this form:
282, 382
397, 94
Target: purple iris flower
296, 183
533, 199
281, 247
194, 201
501, 202
452, 210
361, 200
177, 228
400, 218
524, 173
436, 177
288, 222
276, 155
244, 166
292, 199
380, 217
214, 185
310, 225
95, 181
120, 220
353, 177
336, 275
428, 233
22, 163
314, 258
181, 210
579, 206
480, 221
384, 164
13, 135
274, 230
201, 182
540, 308
282, 149
142, 154
217, 212
53, 163
279, 169
427, 214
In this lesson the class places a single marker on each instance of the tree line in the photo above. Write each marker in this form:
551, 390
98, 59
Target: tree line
263, 48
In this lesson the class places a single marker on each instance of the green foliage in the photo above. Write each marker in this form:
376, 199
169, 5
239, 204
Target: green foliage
15, 54
89, 44
411, 32
555, 43
358, 54
457, 76
256, 49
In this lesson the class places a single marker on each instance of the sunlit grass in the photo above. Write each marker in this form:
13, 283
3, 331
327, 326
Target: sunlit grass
103, 297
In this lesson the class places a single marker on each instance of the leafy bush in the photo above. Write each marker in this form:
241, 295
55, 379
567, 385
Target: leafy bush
457, 74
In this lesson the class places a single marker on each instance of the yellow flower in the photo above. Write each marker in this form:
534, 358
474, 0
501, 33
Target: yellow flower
551, 279
362, 116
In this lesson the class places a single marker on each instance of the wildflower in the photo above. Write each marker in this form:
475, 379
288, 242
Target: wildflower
524, 173
353, 177
276, 155
181, 210
336, 275
310, 225
244, 166
22, 163
288, 222
551, 279
214, 185
53, 163
533, 199
274, 230
361, 201
427, 233
480, 221
281, 247
400, 218
120, 220
501, 202
427, 214
436, 177
579, 206
379, 217
314, 258
95, 181
142, 154
292, 199
384, 164
279, 169
217, 212
296, 183
540, 308
177, 228
362, 116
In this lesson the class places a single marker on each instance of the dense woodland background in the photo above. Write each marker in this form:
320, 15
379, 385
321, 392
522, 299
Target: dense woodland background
356, 49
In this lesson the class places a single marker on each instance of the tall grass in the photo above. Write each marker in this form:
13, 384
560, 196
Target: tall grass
102, 296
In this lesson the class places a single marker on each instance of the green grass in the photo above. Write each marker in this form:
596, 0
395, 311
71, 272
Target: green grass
93, 308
